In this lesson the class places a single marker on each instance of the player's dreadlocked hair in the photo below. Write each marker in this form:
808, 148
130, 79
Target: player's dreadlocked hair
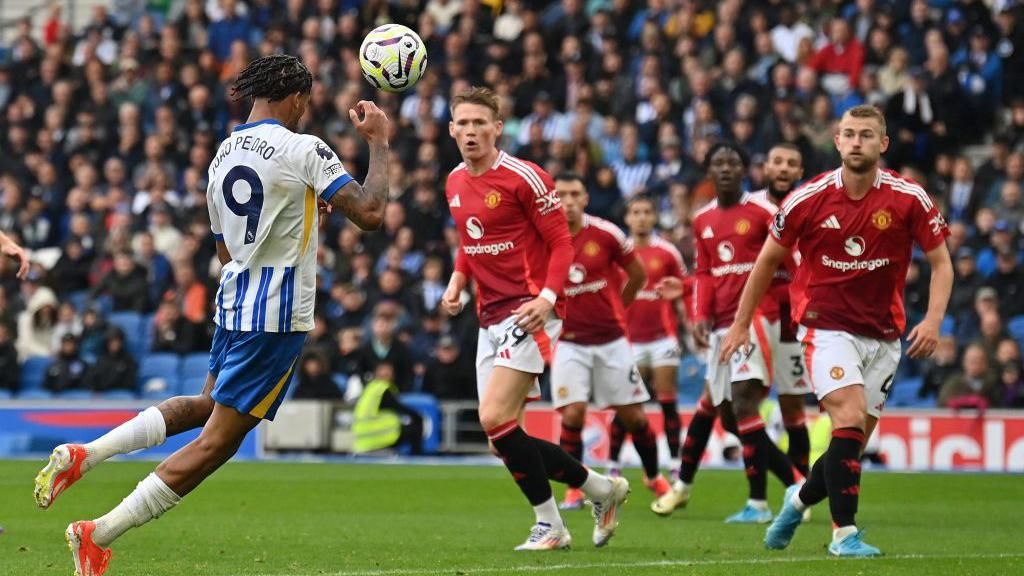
273, 77
726, 145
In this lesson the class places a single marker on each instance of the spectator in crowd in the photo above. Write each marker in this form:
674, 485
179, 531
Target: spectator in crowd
383, 345
446, 376
973, 386
10, 370
115, 368
1008, 281
125, 284
940, 368
1011, 390
315, 381
68, 322
37, 323
73, 269
172, 332
68, 370
966, 284
348, 360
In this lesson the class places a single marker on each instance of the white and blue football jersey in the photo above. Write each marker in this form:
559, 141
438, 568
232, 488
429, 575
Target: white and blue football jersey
262, 197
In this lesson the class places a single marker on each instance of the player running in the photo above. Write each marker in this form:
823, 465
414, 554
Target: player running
652, 322
729, 234
593, 357
264, 184
783, 168
516, 245
855, 228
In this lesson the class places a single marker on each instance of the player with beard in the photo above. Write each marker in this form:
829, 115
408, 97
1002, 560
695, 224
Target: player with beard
855, 228
783, 169
729, 233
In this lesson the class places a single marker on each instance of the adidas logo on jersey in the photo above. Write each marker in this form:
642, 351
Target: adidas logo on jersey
455, 203
707, 233
832, 223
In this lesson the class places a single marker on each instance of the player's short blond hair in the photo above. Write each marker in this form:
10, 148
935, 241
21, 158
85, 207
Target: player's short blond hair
867, 111
477, 95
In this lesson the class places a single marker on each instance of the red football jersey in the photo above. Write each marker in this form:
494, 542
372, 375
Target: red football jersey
594, 312
728, 242
776, 302
855, 253
650, 317
514, 236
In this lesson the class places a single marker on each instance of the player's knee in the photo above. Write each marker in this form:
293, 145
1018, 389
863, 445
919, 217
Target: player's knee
573, 414
633, 417
491, 417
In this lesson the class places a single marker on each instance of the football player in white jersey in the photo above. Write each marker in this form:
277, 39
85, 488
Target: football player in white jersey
265, 181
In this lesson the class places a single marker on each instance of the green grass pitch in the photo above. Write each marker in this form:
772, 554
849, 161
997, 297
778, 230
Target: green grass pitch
290, 519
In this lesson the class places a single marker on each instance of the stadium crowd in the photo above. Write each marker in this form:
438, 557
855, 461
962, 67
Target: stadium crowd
107, 133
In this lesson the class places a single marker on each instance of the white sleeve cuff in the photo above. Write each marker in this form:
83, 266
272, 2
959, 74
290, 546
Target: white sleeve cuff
549, 295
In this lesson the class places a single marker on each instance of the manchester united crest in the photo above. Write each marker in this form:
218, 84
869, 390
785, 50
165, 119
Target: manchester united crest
654, 263
743, 226
837, 373
492, 199
882, 219
591, 248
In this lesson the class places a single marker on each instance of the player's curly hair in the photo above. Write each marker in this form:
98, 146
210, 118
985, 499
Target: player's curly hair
726, 145
273, 77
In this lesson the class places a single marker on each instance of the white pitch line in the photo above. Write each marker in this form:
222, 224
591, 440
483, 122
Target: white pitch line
649, 564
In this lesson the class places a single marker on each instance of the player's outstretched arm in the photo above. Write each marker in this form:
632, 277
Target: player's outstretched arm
11, 248
364, 203
768, 261
925, 336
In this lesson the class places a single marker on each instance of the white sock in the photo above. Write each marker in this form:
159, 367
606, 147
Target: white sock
150, 499
680, 486
146, 430
759, 504
797, 502
675, 464
840, 533
547, 512
596, 485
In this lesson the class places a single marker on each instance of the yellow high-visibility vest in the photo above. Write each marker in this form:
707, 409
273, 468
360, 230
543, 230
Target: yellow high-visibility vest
375, 429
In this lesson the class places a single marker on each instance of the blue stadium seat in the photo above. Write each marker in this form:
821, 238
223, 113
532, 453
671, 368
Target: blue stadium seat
341, 381
195, 366
160, 375
904, 393
5, 394
146, 333
948, 326
130, 323
35, 394
192, 386
1016, 329
691, 379
428, 407
80, 300
33, 372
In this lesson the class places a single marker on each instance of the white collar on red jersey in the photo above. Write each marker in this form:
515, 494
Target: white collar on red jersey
497, 161
839, 178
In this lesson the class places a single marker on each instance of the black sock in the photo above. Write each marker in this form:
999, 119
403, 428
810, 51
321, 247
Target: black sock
815, 489
523, 461
616, 436
799, 447
571, 441
779, 463
560, 466
696, 441
673, 424
647, 447
755, 456
842, 474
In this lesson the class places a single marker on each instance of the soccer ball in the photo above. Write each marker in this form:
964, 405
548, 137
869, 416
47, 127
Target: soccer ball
392, 57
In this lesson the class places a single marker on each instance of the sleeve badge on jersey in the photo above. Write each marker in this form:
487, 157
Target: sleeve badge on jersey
882, 219
323, 151
548, 203
938, 224
780, 221
333, 169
